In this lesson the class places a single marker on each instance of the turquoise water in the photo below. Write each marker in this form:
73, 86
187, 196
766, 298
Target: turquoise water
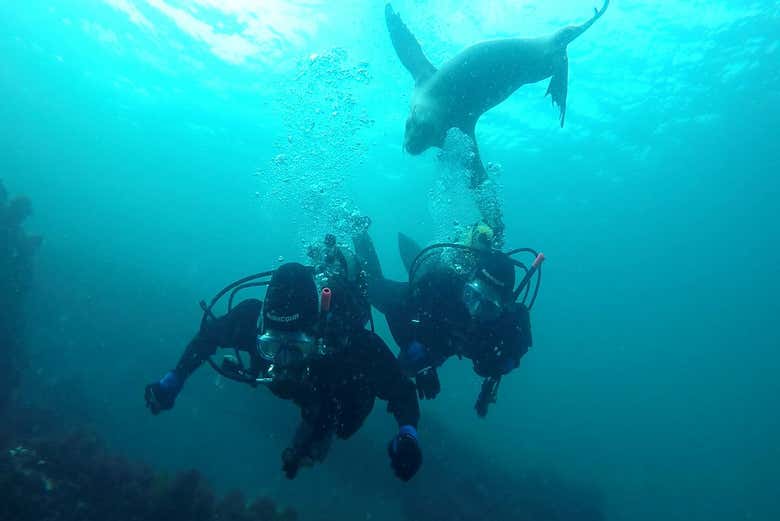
171, 147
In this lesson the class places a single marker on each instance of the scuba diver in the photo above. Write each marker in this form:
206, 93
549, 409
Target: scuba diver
460, 300
314, 351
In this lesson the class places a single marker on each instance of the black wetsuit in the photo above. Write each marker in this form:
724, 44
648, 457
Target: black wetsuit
335, 392
432, 313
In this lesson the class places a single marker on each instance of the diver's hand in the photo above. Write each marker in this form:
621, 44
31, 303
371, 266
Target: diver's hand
161, 395
405, 454
415, 361
428, 385
292, 460
487, 395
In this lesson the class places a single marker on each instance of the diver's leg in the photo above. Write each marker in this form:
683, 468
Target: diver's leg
383, 294
387, 295
310, 445
353, 412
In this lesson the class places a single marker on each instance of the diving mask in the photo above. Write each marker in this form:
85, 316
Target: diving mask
285, 347
482, 301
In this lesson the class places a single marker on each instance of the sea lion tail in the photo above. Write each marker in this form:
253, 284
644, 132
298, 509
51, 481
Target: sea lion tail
559, 83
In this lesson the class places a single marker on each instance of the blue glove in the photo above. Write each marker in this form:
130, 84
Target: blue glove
416, 361
161, 395
405, 454
413, 358
507, 365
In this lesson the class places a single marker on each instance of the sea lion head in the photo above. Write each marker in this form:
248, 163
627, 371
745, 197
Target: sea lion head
422, 130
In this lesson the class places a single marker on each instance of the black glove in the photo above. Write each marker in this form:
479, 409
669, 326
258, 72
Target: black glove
292, 460
161, 395
487, 395
428, 385
405, 454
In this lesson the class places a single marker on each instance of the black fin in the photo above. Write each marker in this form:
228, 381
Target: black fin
407, 47
365, 250
559, 86
408, 250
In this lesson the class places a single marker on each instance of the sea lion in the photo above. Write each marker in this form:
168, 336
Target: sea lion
476, 80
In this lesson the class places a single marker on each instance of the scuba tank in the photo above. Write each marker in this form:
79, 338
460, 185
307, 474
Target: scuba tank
340, 270
344, 307
469, 259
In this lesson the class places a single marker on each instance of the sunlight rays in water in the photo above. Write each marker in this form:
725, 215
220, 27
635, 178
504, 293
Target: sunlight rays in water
236, 31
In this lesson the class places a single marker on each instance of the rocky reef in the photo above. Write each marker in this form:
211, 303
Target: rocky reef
481, 489
528, 496
51, 467
74, 477
17, 250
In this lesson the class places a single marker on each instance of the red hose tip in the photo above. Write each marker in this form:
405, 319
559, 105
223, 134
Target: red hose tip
538, 260
325, 299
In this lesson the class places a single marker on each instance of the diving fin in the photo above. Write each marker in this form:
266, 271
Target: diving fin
408, 250
365, 250
407, 47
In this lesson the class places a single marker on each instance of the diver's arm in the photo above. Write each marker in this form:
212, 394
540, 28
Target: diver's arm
498, 360
372, 358
503, 352
236, 329
399, 392
194, 355
312, 437
390, 383
519, 333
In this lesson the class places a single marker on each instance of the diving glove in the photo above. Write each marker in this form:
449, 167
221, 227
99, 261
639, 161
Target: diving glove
487, 395
161, 395
292, 460
428, 385
405, 454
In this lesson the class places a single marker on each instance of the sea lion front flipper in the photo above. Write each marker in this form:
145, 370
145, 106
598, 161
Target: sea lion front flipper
559, 85
488, 207
478, 173
407, 47
475, 166
408, 250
